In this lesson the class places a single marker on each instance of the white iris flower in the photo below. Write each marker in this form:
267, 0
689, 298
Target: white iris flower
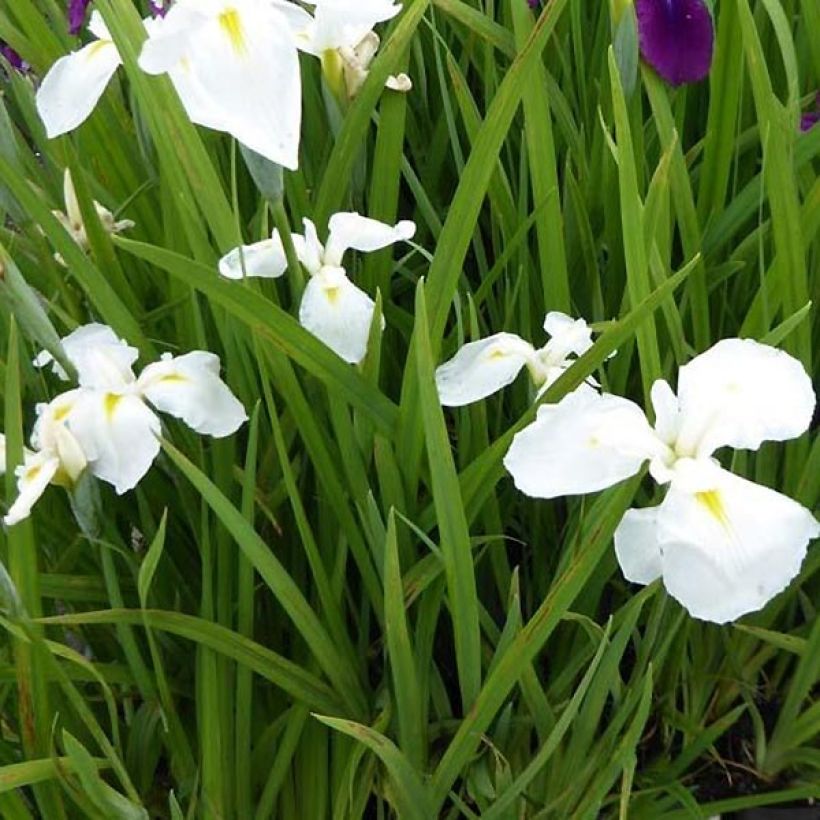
483, 367
723, 545
333, 309
108, 423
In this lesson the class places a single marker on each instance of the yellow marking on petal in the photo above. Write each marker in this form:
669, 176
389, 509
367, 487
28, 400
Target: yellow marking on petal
110, 403
174, 378
61, 412
333, 295
712, 500
231, 24
96, 47
497, 354
32, 472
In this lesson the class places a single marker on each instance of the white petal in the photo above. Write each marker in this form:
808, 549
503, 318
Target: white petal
567, 335
74, 85
481, 368
334, 310
741, 393
308, 248
341, 23
583, 444
730, 550
97, 26
101, 358
350, 230
244, 76
265, 259
32, 479
52, 434
667, 411
189, 388
119, 435
637, 547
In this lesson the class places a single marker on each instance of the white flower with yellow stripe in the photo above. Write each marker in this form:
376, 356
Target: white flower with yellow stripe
333, 309
483, 367
109, 424
723, 545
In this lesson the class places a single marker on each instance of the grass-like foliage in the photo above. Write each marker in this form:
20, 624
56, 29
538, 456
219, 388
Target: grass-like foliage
346, 609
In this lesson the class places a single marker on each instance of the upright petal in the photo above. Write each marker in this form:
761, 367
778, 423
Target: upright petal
340, 23
118, 433
739, 394
334, 310
189, 388
101, 358
74, 85
729, 550
583, 444
265, 259
309, 249
350, 230
637, 547
32, 479
481, 368
676, 38
567, 336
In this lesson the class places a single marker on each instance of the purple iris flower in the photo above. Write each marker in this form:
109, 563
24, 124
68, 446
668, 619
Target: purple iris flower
76, 15
158, 9
811, 118
12, 57
677, 38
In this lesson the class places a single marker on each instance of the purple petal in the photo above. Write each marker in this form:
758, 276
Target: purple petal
677, 38
158, 8
811, 118
76, 15
12, 57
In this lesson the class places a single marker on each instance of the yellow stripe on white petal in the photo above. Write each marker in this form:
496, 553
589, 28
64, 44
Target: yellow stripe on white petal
265, 259
32, 479
73, 86
740, 393
118, 433
585, 443
729, 550
235, 67
334, 310
481, 368
189, 388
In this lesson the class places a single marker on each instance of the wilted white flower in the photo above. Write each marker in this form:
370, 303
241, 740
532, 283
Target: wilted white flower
333, 308
483, 367
341, 35
107, 424
723, 545
72, 220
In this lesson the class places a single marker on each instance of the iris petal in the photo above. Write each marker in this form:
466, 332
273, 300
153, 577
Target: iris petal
676, 38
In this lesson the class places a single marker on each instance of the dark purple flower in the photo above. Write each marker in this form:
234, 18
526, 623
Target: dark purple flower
534, 4
13, 58
76, 15
677, 38
811, 118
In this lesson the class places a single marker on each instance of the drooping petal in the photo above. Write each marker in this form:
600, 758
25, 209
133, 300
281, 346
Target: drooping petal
118, 433
729, 550
360, 233
244, 70
265, 259
32, 479
74, 85
583, 444
52, 434
340, 23
334, 310
676, 38
189, 388
481, 368
637, 547
739, 394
